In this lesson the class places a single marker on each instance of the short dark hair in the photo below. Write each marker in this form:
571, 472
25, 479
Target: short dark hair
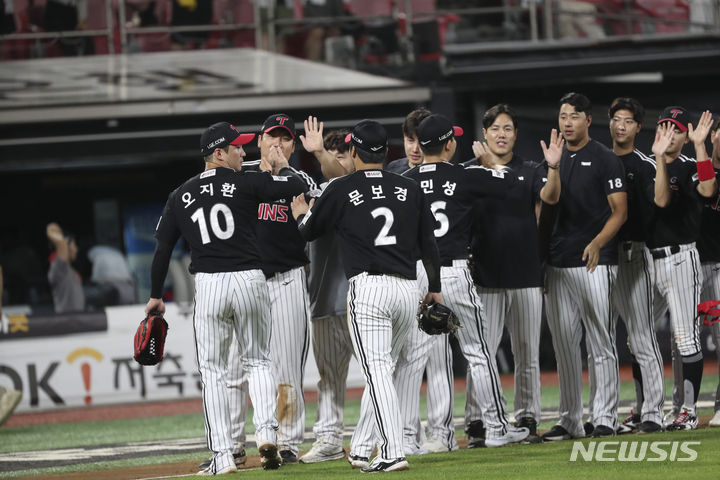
208, 158
581, 103
433, 150
631, 105
370, 157
496, 111
413, 119
335, 140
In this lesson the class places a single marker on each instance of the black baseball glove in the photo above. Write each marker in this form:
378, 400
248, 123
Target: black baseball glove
436, 318
150, 339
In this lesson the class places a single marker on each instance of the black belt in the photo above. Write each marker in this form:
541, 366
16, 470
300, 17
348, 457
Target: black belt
663, 252
626, 246
449, 262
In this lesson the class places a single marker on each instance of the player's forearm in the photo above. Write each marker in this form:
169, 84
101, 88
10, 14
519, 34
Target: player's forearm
706, 174
159, 269
611, 227
662, 184
550, 193
329, 165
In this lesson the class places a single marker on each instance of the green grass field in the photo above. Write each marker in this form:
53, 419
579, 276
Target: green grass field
520, 461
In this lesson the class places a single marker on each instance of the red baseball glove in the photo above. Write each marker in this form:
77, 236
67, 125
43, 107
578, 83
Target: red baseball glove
150, 339
709, 312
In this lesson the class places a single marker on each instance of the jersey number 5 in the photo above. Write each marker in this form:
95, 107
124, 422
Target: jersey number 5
383, 238
218, 209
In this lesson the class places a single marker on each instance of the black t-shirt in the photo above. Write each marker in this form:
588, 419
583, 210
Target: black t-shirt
398, 166
216, 212
505, 243
679, 222
451, 191
281, 246
708, 244
639, 182
382, 220
588, 176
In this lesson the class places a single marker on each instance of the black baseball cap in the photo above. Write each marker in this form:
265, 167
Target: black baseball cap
368, 135
436, 130
220, 135
279, 120
676, 115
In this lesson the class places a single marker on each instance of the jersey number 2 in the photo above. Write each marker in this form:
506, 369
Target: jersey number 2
218, 209
383, 238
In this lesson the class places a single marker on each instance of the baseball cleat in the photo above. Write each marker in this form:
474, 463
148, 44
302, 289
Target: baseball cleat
588, 427
475, 431
529, 423
356, 461
270, 459
323, 452
715, 421
649, 426
555, 434
410, 450
670, 417
513, 435
686, 420
240, 459
602, 431
433, 445
381, 465
208, 471
288, 456
630, 424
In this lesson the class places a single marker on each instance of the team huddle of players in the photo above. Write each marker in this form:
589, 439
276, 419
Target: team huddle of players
629, 236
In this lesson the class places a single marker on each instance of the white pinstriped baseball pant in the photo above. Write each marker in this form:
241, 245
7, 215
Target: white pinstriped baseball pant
520, 309
225, 303
576, 298
381, 310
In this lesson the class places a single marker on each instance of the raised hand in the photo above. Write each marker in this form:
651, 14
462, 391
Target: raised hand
482, 153
299, 206
663, 139
553, 151
699, 134
312, 141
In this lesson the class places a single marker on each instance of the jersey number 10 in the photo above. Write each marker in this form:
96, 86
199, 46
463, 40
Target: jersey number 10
218, 209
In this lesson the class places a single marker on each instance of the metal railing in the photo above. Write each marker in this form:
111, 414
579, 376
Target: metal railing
539, 18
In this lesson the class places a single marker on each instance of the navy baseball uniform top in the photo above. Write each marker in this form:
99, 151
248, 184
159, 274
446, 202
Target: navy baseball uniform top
382, 221
398, 166
587, 177
451, 191
709, 242
639, 182
281, 246
216, 213
505, 243
679, 222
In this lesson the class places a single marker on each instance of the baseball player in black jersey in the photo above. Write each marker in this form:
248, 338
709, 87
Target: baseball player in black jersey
708, 246
414, 155
681, 186
506, 264
216, 213
587, 182
327, 287
451, 190
633, 295
382, 222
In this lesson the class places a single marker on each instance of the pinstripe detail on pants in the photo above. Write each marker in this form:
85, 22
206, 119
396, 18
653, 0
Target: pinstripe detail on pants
633, 301
711, 291
381, 310
576, 298
332, 348
227, 302
520, 309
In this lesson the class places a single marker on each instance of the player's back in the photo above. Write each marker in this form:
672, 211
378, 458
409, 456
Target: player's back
378, 216
216, 213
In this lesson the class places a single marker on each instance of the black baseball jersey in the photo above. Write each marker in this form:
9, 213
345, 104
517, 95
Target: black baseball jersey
587, 176
383, 222
451, 190
505, 244
639, 183
708, 244
216, 213
281, 246
398, 166
679, 222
